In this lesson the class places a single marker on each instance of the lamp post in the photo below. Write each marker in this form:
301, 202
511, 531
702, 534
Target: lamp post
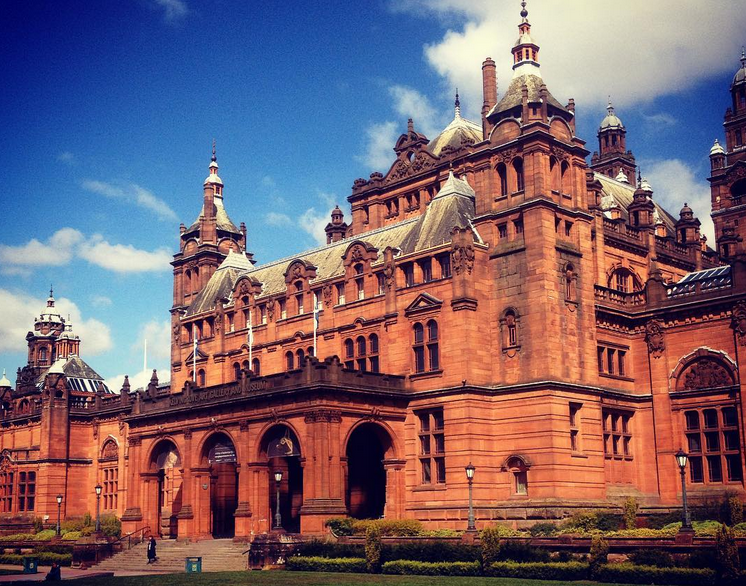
98, 508
278, 517
471, 527
59, 508
681, 459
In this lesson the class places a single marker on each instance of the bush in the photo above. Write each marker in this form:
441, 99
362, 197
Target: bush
319, 564
490, 541
43, 557
630, 574
87, 520
630, 513
599, 554
589, 523
540, 570
740, 529
701, 528
651, 557
728, 563
517, 551
330, 549
644, 532
434, 551
442, 533
38, 524
660, 521
505, 531
17, 537
86, 531
340, 525
543, 530
111, 526
373, 549
46, 535
409, 567
735, 510
71, 536
389, 527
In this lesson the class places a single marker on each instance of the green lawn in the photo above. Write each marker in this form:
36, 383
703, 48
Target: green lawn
282, 578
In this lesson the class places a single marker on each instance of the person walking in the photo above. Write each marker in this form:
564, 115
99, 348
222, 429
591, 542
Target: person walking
152, 557
54, 573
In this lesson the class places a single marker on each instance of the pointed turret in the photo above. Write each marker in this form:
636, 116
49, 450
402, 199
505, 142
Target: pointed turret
525, 51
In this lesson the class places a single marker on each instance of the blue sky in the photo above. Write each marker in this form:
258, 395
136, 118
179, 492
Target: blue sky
109, 110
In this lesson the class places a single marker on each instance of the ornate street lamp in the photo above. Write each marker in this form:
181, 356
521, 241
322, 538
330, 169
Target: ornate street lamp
681, 459
278, 517
471, 527
98, 508
59, 507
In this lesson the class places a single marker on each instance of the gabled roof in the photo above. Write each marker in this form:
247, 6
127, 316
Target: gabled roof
80, 376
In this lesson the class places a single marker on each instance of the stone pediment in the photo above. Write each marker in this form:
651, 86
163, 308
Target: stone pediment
201, 357
404, 167
423, 303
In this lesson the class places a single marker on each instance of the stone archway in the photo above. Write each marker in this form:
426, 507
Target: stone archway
367, 448
219, 456
280, 449
165, 462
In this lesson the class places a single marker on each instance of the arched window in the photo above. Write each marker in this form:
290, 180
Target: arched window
195, 280
510, 337
256, 367
187, 282
569, 283
519, 471
349, 354
565, 177
201, 377
554, 173
433, 352
419, 348
373, 355
518, 168
299, 297
236, 371
109, 475
300, 355
42, 355
502, 173
289, 360
624, 281
310, 351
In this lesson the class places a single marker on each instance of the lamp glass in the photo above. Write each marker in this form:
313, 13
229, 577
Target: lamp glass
59, 499
681, 458
98, 490
470, 471
278, 476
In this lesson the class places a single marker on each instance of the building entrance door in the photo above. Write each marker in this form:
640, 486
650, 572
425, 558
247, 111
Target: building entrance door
366, 477
221, 456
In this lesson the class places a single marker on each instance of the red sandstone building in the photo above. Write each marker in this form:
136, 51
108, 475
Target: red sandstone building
492, 300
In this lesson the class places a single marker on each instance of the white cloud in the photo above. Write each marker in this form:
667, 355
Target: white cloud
158, 335
268, 181
277, 219
139, 380
133, 194
660, 120
100, 301
67, 157
379, 142
412, 104
123, 258
588, 49
314, 222
674, 183
173, 10
19, 311
57, 251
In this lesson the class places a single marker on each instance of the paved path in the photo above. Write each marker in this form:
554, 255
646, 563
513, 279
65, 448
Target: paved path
67, 574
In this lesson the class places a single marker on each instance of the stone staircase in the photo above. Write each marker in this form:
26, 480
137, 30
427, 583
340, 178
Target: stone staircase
218, 555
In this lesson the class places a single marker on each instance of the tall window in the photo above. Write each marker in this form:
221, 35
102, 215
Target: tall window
340, 287
408, 271
300, 355
502, 173
283, 309
236, 371
362, 350
714, 446
425, 347
444, 260
381, 283
617, 433
432, 446
373, 353
518, 168
350, 354
569, 283
6, 491
519, 471
289, 360
359, 281
256, 367
201, 377
110, 474
575, 427
26, 491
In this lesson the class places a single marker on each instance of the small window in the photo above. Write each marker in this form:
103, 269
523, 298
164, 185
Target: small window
289, 360
300, 355
502, 231
201, 377
283, 309
256, 367
340, 293
426, 266
444, 260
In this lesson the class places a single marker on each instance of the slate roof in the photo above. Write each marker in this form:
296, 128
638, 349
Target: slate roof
458, 133
221, 217
623, 194
453, 206
514, 96
80, 376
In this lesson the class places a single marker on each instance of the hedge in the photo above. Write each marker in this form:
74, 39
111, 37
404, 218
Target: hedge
330, 549
407, 567
319, 564
46, 535
45, 557
71, 536
17, 537
431, 551
630, 574
540, 570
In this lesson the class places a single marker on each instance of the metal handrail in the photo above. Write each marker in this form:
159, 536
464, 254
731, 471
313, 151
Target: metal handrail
128, 536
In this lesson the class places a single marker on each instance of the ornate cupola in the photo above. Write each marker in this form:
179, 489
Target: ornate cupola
642, 208
717, 156
525, 51
612, 157
687, 228
337, 228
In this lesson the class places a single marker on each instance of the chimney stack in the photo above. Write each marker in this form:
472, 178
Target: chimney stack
489, 91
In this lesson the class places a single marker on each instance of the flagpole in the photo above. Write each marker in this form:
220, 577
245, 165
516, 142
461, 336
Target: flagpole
251, 340
315, 324
194, 353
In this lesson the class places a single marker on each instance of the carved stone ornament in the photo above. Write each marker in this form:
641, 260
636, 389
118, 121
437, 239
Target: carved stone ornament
357, 254
110, 451
177, 332
134, 441
462, 257
326, 415
388, 275
218, 323
244, 289
327, 293
243, 425
738, 322
271, 310
706, 373
655, 337
187, 434
506, 155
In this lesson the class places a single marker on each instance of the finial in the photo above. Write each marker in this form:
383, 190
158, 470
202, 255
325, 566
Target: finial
214, 158
639, 178
51, 290
743, 56
610, 107
524, 12
410, 125
457, 105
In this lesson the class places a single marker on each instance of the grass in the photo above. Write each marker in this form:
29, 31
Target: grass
281, 578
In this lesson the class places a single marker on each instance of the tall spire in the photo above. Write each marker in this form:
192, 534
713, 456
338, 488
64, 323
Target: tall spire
50, 299
525, 51
457, 106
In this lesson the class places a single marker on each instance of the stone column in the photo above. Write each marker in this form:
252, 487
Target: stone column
132, 516
185, 517
243, 510
394, 508
259, 487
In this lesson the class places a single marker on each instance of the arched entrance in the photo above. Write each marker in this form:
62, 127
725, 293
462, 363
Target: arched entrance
166, 461
219, 454
366, 478
281, 449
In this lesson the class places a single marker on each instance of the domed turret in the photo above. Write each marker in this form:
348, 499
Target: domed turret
611, 120
613, 157
687, 228
716, 149
4, 382
337, 228
740, 76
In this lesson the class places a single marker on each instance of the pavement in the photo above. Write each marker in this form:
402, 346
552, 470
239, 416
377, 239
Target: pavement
67, 574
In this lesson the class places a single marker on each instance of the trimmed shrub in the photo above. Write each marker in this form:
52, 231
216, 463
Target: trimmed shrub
11, 558
543, 530
631, 574
643, 532
46, 535
43, 557
340, 525
735, 510
408, 567
589, 523
701, 528
516, 551
38, 524
651, 557
17, 537
728, 563
330, 549
319, 564
373, 549
87, 520
490, 542
71, 536
389, 527
540, 570
442, 533
433, 551
599, 554
630, 513
111, 526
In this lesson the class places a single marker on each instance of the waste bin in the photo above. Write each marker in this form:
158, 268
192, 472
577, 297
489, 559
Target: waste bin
30, 565
194, 565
